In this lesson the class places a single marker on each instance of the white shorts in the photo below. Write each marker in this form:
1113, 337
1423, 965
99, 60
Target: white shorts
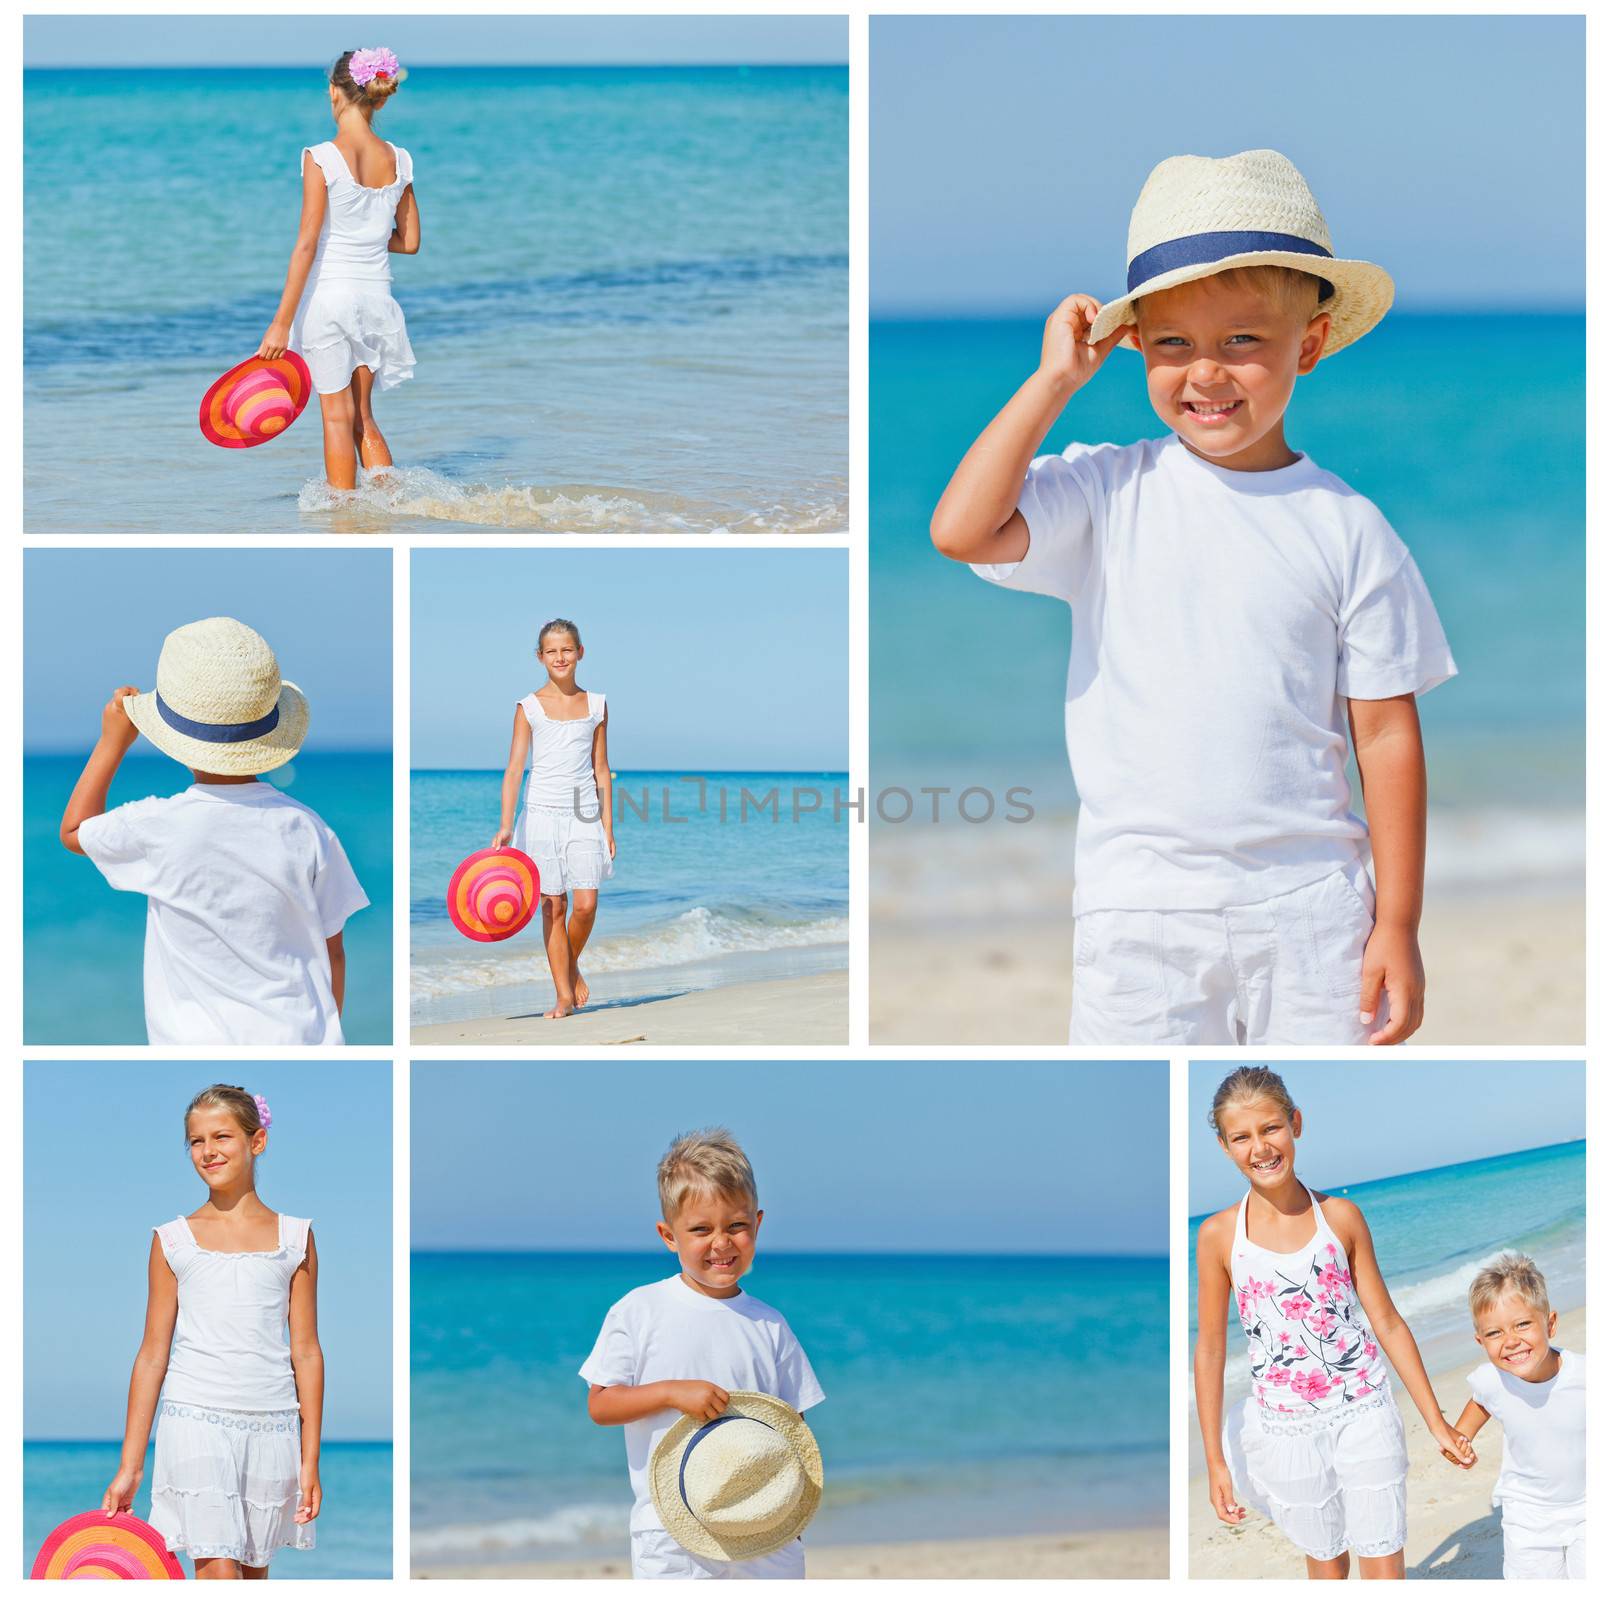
1542, 1541
569, 851
1282, 971
1333, 1483
656, 1554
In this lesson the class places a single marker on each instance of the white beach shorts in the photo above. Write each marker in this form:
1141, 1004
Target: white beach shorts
1282, 971
227, 1483
1333, 1482
345, 323
656, 1554
1543, 1541
569, 851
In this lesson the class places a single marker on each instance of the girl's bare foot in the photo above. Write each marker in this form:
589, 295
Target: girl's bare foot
580, 990
562, 1008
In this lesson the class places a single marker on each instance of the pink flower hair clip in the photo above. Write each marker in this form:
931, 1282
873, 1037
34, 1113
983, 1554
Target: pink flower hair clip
263, 1110
365, 65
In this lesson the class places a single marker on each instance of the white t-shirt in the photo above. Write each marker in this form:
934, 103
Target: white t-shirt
1220, 619
246, 887
1542, 1461
667, 1330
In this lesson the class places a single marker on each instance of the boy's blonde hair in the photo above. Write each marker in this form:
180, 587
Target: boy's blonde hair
1512, 1273
1293, 293
708, 1161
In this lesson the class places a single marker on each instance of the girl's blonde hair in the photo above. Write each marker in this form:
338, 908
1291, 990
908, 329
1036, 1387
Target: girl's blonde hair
239, 1103
560, 625
1512, 1273
706, 1162
373, 94
1245, 1084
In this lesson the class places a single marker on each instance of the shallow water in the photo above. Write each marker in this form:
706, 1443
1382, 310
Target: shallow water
629, 317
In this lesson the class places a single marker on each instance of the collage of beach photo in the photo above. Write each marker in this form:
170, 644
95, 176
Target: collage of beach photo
797, 802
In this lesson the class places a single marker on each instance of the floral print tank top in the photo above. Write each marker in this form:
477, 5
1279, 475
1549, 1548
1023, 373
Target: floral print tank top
1309, 1346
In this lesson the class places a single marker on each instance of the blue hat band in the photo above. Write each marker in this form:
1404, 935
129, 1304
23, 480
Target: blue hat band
216, 732
696, 1437
1201, 249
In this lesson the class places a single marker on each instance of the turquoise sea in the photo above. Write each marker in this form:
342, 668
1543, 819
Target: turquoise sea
967, 1396
355, 1533
700, 897
83, 943
1432, 1230
629, 310
1471, 442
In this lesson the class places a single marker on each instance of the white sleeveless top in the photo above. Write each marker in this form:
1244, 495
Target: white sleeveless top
355, 233
1311, 1351
561, 759
230, 1347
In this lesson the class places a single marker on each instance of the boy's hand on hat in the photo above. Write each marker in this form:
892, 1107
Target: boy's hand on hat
1067, 359
115, 725
697, 1399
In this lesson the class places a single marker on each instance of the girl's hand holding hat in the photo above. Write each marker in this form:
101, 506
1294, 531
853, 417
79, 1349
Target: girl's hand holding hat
119, 1494
275, 341
1068, 360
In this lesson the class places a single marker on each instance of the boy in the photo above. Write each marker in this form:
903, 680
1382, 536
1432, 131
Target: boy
678, 1346
1536, 1390
1234, 608
249, 890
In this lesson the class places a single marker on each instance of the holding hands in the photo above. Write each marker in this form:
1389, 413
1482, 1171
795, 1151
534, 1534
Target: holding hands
1454, 1445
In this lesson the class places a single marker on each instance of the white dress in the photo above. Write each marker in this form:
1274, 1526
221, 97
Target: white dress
559, 825
227, 1470
347, 316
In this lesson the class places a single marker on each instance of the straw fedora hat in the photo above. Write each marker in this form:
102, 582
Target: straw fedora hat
740, 1487
1197, 216
220, 704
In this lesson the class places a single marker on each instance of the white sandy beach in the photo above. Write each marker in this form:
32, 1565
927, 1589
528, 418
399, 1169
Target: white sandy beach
809, 1009
1502, 969
1124, 1553
1453, 1531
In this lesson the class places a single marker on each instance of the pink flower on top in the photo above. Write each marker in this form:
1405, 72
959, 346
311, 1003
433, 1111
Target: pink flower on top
1299, 1352
1362, 1390
1277, 1375
365, 65
1369, 1349
1320, 1323
1295, 1307
1311, 1386
1330, 1249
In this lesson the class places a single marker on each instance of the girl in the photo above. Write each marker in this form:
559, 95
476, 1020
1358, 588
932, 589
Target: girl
1318, 1445
566, 813
357, 208
236, 1472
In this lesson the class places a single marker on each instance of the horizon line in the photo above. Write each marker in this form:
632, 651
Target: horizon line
1445, 1166
995, 313
945, 1255
444, 66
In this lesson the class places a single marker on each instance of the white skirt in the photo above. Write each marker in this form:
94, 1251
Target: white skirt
569, 851
346, 324
1332, 1482
227, 1483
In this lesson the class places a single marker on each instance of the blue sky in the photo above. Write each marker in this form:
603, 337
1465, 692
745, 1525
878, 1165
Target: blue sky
94, 619
436, 40
960, 1157
1007, 152
104, 1163
714, 659
1382, 1118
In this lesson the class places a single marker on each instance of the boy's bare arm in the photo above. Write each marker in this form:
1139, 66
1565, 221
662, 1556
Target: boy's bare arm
89, 794
623, 1402
1471, 1421
336, 967
977, 517
1394, 782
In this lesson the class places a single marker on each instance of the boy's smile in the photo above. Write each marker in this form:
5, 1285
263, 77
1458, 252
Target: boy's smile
714, 1239
1516, 1338
1221, 360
